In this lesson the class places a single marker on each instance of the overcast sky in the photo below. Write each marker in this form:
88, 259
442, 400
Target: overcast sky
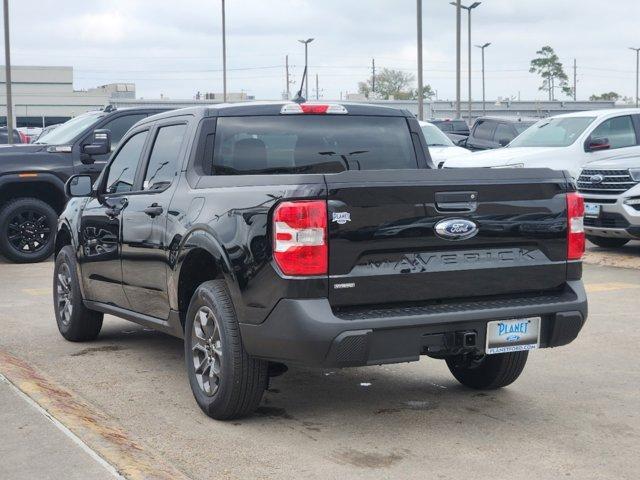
174, 47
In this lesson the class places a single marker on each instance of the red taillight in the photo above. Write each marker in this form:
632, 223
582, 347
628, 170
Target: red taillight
300, 238
575, 226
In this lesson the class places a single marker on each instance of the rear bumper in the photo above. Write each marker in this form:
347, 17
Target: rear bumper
309, 332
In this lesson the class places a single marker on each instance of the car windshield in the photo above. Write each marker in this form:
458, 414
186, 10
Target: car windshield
68, 131
553, 132
435, 137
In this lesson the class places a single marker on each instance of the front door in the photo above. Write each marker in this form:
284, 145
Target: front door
621, 133
101, 226
144, 239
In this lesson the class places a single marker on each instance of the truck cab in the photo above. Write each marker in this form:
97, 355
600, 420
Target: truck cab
32, 177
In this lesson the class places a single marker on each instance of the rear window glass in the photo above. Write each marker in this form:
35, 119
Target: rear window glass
296, 144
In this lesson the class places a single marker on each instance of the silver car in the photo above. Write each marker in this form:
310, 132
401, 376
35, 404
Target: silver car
611, 188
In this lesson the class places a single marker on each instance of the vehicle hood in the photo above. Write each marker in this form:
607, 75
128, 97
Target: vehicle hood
20, 148
440, 154
32, 157
530, 156
620, 163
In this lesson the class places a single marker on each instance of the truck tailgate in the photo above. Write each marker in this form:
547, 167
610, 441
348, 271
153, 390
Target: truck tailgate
507, 235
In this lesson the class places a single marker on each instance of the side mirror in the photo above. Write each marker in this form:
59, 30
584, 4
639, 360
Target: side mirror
504, 142
100, 144
596, 144
79, 186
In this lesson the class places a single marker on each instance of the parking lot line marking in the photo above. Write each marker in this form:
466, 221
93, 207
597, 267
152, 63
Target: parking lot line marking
95, 430
609, 287
37, 292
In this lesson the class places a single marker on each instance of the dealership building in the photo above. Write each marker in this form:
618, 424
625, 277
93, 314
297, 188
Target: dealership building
45, 96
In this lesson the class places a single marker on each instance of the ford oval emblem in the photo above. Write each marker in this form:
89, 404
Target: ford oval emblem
456, 229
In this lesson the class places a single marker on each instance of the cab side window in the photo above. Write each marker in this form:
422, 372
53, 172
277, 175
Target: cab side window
484, 130
122, 171
619, 131
164, 163
119, 127
504, 132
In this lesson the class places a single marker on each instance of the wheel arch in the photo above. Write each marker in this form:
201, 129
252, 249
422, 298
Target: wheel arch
199, 258
43, 186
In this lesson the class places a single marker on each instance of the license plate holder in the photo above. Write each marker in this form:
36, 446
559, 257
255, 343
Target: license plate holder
513, 335
592, 210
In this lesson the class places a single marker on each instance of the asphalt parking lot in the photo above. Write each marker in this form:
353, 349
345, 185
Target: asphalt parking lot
125, 398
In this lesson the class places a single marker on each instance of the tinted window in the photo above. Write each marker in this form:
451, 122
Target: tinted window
119, 127
163, 163
553, 132
460, 126
618, 130
122, 171
445, 126
503, 132
484, 130
311, 144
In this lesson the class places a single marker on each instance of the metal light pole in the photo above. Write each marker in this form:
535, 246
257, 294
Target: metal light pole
224, 55
420, 86
468, 9
306, 65
482, 47
7, 60
458, 5
637, 50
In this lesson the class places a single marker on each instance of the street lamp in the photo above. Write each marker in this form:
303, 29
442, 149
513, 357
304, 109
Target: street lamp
637, 50
482, 47
420, 86
468, 9
306, 65
224, 55
7, 69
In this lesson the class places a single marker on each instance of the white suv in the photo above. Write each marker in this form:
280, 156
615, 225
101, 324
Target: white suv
612, 200
565, 142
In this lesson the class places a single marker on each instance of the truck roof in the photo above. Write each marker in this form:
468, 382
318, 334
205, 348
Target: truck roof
274, 108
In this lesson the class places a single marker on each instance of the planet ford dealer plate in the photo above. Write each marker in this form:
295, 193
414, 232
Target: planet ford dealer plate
513, 335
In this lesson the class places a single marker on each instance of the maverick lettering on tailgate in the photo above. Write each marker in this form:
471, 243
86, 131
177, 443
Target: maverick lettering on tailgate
442, 261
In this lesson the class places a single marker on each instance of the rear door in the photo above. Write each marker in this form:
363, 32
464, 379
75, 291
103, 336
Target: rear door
383, 245
144, 221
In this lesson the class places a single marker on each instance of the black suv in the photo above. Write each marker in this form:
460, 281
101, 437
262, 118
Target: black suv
279, 233
32, 177
495, 132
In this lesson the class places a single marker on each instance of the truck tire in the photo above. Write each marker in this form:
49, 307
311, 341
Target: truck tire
606, 242
489, 372
27, 230
225, 381
76, 322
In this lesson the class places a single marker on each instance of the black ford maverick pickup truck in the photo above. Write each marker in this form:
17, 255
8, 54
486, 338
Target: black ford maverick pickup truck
317, 234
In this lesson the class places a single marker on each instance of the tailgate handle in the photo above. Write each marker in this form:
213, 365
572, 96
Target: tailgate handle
456, 201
